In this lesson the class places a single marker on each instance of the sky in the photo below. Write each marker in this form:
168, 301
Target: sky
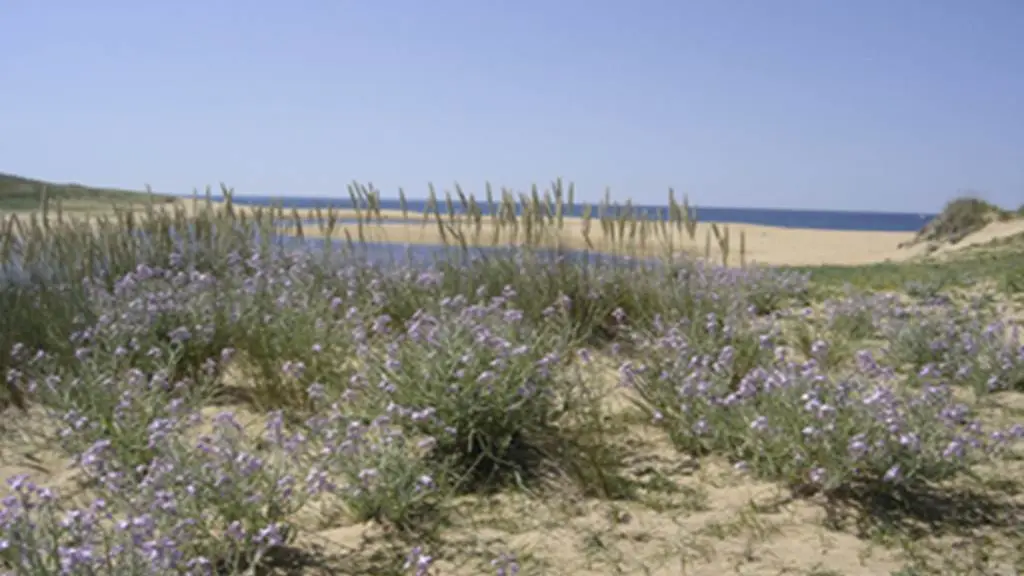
887, 105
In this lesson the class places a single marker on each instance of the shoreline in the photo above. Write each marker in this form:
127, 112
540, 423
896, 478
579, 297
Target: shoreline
765, 245
790, 217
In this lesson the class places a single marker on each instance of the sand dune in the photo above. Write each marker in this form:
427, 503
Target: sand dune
990, 233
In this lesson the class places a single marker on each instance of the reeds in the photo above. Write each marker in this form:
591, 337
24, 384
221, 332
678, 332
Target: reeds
548, 219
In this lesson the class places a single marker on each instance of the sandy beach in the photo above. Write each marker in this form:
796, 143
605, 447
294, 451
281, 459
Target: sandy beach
765, 245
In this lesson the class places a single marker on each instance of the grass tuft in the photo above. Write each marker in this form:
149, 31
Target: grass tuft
959, 218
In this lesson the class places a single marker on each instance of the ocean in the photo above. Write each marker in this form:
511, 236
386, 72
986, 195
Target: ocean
814, 219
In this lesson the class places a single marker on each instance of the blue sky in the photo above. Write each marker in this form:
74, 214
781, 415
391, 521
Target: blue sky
893, 105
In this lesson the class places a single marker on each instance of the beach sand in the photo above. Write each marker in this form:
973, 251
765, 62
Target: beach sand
766, 245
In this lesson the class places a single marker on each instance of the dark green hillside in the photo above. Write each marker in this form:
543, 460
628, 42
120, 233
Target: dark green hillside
19, 193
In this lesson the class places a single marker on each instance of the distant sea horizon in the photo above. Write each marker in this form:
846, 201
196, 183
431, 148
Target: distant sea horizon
846, 220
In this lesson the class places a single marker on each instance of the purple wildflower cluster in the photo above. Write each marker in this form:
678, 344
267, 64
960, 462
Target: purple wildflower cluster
374, 392
959, 345
729, 387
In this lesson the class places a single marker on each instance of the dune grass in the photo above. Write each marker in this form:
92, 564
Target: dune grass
960, 218
999, 264
532, 220
186, 392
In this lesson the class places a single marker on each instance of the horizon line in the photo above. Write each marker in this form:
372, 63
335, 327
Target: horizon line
621, 204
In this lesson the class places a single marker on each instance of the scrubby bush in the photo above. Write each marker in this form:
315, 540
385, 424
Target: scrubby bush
959, 218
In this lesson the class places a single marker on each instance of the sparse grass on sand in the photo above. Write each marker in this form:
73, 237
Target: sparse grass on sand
187, 393
960, 218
